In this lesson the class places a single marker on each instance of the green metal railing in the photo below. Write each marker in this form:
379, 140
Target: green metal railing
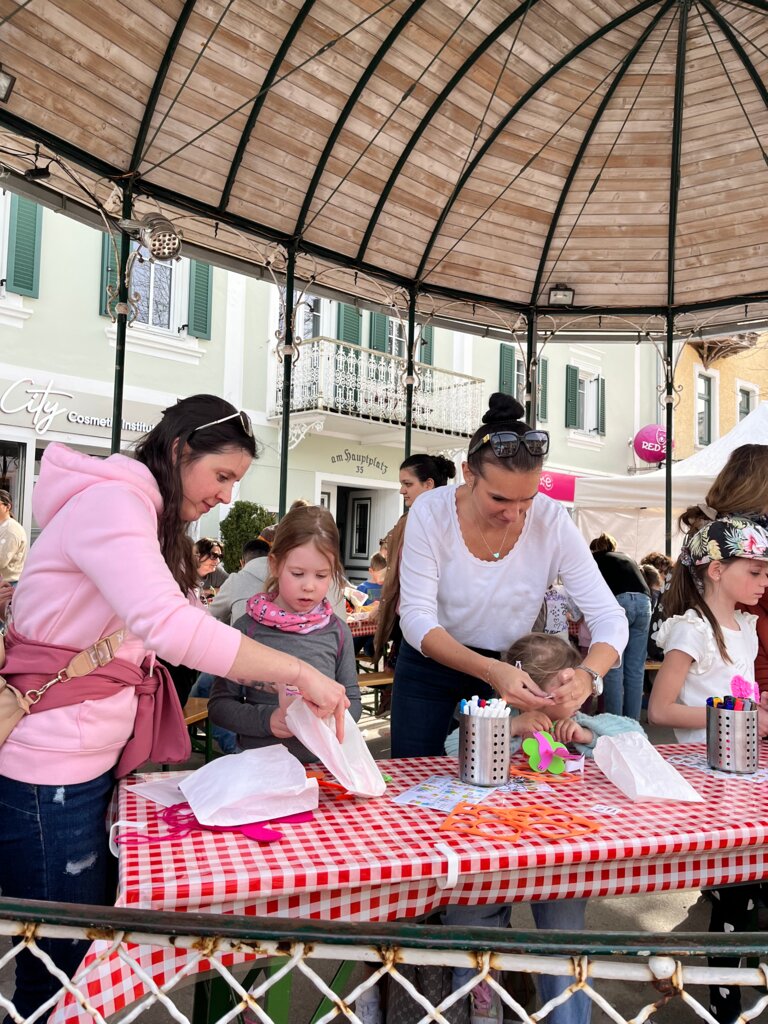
277, 950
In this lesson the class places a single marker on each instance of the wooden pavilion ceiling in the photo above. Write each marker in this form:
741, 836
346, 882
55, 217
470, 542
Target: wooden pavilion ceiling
481, 150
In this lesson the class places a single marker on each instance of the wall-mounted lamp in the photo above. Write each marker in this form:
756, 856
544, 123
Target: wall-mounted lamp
561, 295
7, 82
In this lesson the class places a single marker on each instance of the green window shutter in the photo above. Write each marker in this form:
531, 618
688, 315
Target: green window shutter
571, 396
543, 375
349, 324
378, 340
427, 353
200, 295
507, 369
601, 406
24, 247
108, 272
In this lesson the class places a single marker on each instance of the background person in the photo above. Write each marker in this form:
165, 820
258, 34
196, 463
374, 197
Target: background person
418, 473
13, 542
707, 640
624, 683
477, 561
741, 488
211, 574
114, 552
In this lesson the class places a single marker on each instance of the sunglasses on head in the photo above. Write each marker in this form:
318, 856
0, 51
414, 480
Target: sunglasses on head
245, 422
505, 443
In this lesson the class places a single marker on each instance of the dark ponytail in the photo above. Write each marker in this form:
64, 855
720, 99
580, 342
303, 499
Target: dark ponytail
437, 468
504, 413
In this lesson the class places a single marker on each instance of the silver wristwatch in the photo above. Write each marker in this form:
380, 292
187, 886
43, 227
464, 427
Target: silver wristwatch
597, 680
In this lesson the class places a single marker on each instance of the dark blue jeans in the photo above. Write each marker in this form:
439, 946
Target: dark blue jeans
624, 684
424, 697
53, 846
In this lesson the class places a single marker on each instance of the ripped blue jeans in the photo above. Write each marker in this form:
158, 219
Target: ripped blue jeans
53, 846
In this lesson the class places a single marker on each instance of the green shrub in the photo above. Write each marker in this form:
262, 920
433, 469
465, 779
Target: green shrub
245, 521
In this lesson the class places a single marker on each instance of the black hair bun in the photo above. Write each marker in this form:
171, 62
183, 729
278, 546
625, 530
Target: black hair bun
446, 466
503, 409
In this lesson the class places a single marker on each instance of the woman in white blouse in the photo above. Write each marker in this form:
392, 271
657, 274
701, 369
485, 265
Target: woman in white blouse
477, 561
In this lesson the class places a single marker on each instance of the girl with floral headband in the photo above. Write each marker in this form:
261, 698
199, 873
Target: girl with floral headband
707, 641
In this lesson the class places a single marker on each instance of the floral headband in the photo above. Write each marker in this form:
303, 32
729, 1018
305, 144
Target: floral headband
725, 537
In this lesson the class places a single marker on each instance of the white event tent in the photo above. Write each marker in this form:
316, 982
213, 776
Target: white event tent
631, 508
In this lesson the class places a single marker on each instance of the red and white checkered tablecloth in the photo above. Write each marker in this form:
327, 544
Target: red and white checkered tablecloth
361, 627
377, 860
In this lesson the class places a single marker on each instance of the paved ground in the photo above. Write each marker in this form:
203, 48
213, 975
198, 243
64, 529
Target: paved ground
657, 914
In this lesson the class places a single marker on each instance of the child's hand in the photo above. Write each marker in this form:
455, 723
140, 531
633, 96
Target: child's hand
568, 731
530, 722
278, 724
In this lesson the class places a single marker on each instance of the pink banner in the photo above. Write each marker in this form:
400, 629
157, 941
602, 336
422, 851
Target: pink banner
560, 486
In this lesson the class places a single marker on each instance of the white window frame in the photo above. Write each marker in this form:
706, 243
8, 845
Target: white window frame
174, 343
13, 312
754, 396
397, 341
588, 360
700, 371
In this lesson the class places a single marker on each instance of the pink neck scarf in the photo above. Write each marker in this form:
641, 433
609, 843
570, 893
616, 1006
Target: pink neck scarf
263, 609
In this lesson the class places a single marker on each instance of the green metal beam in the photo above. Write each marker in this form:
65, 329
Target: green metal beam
677, 146
122, 326
157, 85
450, 85
513, 111
739, 50
411, 10
261, 99
586, 139
285, 423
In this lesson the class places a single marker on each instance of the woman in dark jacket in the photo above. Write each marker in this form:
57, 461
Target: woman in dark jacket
624, 684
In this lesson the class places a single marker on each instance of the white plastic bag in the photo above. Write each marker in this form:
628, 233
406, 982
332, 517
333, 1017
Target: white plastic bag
255, 785
635, 767
350, 761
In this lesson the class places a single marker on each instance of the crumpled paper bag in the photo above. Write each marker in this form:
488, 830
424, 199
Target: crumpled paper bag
636, 767
255, 785
351, 761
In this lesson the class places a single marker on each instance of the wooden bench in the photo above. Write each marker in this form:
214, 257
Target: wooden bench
375, 681
196, 711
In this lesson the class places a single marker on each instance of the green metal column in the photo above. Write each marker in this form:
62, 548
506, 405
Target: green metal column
669, 397
531, 370
409, 371
290, 272
122, 325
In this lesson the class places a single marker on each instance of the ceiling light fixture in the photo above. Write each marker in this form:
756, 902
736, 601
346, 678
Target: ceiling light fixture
561, 295
157, 234
7, 82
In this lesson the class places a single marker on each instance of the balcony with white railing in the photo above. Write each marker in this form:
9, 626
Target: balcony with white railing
334, 377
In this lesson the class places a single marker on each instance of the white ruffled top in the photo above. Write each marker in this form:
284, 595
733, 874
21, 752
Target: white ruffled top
709, 675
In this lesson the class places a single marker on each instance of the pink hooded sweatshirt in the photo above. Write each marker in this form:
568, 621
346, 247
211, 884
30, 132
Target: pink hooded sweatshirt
95, 567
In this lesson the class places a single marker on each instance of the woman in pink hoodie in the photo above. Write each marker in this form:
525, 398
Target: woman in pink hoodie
114, 554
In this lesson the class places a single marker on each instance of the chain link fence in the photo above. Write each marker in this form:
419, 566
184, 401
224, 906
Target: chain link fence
242, 965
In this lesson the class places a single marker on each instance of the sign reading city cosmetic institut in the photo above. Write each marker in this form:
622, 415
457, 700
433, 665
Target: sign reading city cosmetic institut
44, 406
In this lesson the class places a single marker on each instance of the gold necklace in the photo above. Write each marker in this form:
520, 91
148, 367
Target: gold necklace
494, 554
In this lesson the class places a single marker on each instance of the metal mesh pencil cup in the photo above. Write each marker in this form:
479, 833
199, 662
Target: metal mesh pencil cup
483, 750
732, 740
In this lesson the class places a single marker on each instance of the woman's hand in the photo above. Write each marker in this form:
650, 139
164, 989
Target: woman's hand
323, 695
278, 725
515, 686
530, 722
568, 731
573, 688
